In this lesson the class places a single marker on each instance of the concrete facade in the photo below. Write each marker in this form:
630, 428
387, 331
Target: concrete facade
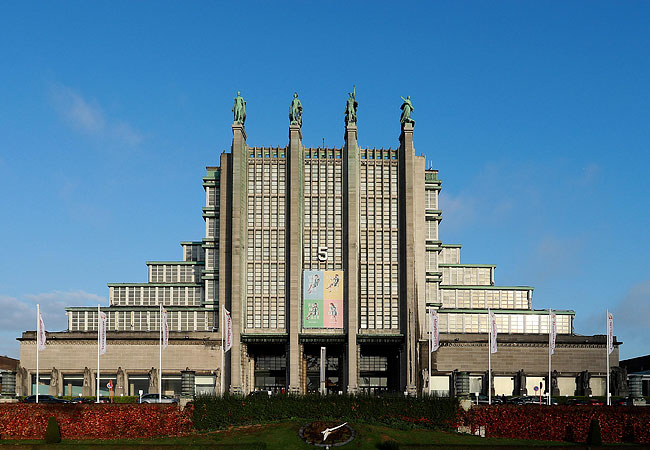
274, 215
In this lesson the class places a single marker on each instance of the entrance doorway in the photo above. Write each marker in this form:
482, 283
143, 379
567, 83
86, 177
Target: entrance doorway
379, 369
270, 363
333, 368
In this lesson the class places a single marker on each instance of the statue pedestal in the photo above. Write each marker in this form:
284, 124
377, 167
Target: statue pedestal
295, 132
236, 126
406, 137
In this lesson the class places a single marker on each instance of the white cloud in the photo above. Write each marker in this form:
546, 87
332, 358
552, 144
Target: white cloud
473, 206
15, 314
631, 319
88, 117
9, 346
77, 111
126, 133
458, 210
634, 310
19, 314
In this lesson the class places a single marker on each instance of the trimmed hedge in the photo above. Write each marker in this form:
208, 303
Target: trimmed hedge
213, 413
94, 421
560, 423
53, 432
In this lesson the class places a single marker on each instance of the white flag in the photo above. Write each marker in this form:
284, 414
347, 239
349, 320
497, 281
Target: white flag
493, 331
552, 332
228, 343
435, 331
165, 327
102, 333
610, 333
41, 333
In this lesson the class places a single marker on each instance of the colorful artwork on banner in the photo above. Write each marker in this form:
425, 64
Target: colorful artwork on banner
322, 305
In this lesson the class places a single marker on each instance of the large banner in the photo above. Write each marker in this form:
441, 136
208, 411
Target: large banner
322, 299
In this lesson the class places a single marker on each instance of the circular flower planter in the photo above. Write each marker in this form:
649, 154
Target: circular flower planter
312, 434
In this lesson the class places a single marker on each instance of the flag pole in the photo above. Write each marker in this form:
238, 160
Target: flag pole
607, 351
98, 345
430, 350
489, 358
550, 331
222, 325
38, 337
160, 326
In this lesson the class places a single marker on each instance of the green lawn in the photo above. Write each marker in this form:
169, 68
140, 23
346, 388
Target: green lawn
284, 436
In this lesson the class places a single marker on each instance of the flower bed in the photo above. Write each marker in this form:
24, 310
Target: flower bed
560, 423
90, 421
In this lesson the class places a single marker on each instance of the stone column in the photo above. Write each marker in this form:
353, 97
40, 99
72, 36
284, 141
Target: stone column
294, 204
239, 176
225, 257
351, 165
408, 245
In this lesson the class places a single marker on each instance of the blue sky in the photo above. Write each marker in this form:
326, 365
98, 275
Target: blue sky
535, 113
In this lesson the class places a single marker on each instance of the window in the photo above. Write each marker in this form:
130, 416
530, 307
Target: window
430, 199
532, 323
516, 323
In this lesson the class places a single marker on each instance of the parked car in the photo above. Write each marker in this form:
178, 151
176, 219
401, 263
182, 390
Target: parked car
629, 401
44, 399
585, 402
91, 400
83, 400
530, 400
260, 394
483, 399
155, 398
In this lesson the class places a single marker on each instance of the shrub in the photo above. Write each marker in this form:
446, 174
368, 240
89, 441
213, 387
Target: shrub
94, 421
557, 423
594, 438
211, 412
52, 433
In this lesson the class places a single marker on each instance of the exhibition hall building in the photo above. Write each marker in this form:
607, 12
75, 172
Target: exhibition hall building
318, 254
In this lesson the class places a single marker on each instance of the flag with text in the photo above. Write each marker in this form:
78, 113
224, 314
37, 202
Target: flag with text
435, 331
492, 319
41, 333
165, 327
228, 343
610, 333
102, 332
552, 332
